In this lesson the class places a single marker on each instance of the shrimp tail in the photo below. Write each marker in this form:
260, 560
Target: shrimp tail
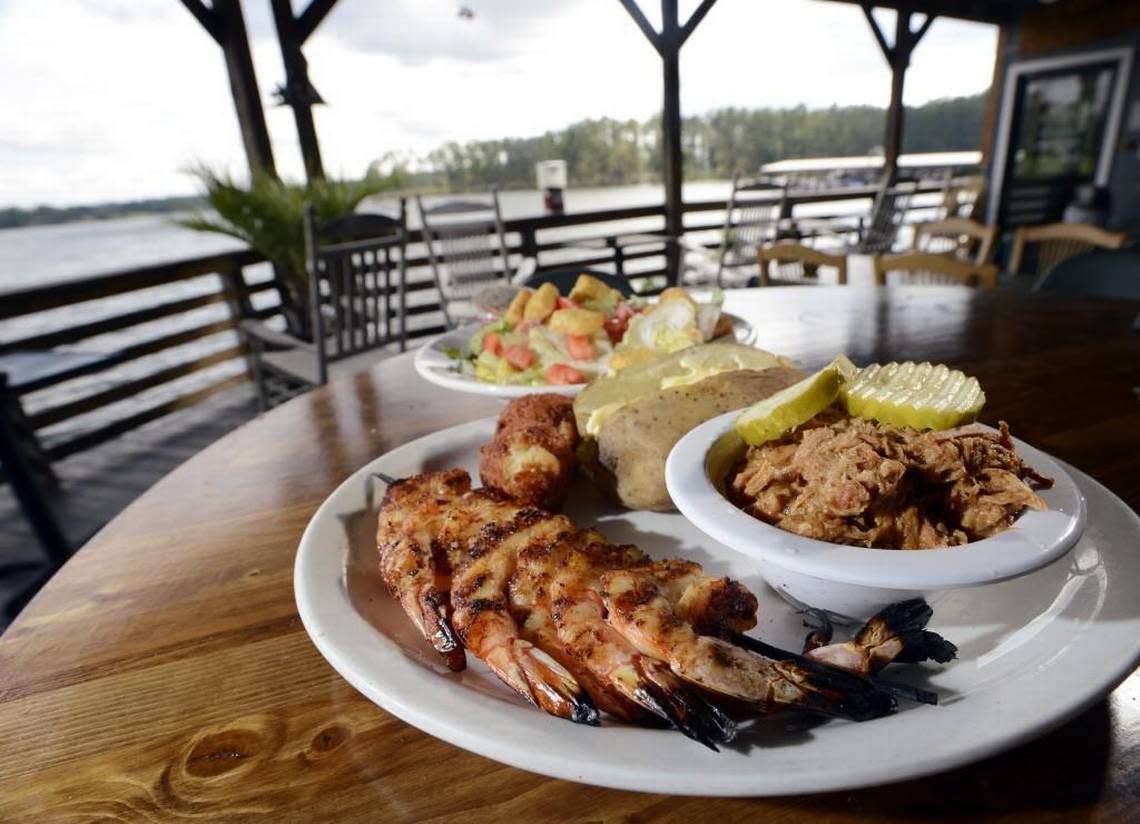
925, 645
905, 623
838, 693
688, 712
821, 628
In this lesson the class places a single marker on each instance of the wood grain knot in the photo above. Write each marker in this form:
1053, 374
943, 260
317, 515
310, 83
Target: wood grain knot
329, 739
221, 752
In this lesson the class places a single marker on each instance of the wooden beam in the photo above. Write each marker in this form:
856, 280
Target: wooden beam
298, 91
243, 85
923, 29
642, 23
312, 16
206, 16
672, 159
888, 51
980, 11
695, 19
892, 138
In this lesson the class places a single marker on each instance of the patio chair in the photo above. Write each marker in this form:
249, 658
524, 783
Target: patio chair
467, 250
749, 223
355, 266
880, 232
1057, 242
928, 269
1100, 274
958, 237
963, 197
796, 264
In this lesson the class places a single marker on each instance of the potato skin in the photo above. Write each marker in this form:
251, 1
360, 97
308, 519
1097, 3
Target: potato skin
634, 442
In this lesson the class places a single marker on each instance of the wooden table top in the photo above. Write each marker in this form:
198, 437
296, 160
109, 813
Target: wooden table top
164, 671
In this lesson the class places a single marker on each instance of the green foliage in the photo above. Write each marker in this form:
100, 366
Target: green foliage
716, 145
269, 214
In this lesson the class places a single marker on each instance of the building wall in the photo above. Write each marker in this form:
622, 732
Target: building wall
1071, 27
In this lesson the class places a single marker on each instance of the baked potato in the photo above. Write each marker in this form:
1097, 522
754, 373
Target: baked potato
628, 456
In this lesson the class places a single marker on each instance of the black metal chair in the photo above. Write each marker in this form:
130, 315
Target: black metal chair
357, 304
1113, 274
751, 219
564, 279
467, 250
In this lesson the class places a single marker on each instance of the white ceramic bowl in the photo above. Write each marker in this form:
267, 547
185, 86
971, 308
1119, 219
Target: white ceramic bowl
854, 582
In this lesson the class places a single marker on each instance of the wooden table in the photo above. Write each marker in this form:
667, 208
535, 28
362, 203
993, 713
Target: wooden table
164, 673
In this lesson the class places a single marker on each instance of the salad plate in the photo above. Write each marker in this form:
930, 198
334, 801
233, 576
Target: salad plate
444, 361
1033, 652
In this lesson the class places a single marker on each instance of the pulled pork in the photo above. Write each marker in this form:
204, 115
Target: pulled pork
856, 481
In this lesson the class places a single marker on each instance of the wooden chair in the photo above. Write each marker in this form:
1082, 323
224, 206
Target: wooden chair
958, 237
355, 266
797, 264
1056, 242
963, 197
467, 250
925, 268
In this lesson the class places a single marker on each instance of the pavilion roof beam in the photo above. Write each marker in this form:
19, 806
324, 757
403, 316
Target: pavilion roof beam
979, 11
226, 25
311, 17
297, 92
898, 58
668, 44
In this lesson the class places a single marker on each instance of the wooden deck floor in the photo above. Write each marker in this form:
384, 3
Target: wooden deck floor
99, 483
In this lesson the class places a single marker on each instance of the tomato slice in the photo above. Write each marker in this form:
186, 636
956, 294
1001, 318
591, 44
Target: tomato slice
615, 327
493, 343
566, 303
563, 374
580, 347
519, 357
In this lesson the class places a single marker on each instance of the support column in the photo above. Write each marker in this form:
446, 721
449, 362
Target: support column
297, 92
892, 138
672, 158
898, 58
224, 22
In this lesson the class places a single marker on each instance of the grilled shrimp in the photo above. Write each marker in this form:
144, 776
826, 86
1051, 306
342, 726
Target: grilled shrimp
414, 570
490, 532
643, 615
584, 632
895, 634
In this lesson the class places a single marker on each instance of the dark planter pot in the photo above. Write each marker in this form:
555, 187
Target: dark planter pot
294, 301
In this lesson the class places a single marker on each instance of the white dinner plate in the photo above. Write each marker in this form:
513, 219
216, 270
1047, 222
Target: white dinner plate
435, 365
1033, 652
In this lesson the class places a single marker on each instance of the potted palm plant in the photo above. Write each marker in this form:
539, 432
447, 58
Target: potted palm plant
269, 215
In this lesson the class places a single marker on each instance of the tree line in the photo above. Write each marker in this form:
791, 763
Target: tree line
607, 151
715, 145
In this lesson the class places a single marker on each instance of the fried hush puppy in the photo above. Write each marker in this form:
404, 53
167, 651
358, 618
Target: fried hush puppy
532, 457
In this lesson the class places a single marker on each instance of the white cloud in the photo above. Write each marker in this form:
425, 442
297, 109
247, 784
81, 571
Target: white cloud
108, 101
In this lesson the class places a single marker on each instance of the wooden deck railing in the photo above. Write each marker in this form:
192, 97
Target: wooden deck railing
169, 331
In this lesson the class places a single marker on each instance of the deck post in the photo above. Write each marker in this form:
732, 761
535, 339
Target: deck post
898, 58
297, 92
225, 24
668, 43
672, 169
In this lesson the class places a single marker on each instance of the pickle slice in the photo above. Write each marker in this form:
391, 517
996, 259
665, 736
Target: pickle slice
918, 395
770, 418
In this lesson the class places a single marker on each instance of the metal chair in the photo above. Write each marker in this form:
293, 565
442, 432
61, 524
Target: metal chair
749, 223
355, 266
927, 269
958, 237
1111, 274
467, 250
1057, 242
887, 214
796, 264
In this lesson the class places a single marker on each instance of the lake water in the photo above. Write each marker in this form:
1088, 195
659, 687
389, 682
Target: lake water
42, 255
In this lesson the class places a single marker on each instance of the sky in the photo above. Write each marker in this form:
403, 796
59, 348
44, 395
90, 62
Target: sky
108, 100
